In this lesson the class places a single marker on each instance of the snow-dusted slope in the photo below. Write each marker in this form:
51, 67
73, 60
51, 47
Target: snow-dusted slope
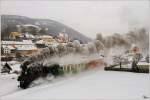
92, 85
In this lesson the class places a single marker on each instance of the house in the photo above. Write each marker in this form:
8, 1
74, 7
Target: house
62, 38
29, 36
7, 53
15, 35
45, 40
8, 49
25, 47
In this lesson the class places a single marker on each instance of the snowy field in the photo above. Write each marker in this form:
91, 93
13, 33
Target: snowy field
108, 85
8, 84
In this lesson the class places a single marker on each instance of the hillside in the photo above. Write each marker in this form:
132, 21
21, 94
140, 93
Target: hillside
9, 24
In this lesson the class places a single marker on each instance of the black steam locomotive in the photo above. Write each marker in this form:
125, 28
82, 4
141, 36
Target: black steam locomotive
29, 74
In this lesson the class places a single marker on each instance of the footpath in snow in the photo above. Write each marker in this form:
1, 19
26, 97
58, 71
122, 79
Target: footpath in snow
99, 84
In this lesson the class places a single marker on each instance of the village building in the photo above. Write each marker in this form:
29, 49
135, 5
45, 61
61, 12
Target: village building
28, 36
25, 47
7, 49
15, 35
45, 41
63, 38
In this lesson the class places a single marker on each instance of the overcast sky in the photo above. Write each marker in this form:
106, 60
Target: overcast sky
87, 17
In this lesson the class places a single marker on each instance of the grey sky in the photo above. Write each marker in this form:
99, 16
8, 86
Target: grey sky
87, 17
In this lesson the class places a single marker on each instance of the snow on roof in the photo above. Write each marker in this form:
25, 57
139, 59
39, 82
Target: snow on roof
40, 42
20, 45
26, 47
46, 36
29, 35
31, 25
18, 42
9, 47
27, 41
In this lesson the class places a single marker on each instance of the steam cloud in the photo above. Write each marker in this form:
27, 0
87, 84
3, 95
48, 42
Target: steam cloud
69, 50
74, 50
138, 37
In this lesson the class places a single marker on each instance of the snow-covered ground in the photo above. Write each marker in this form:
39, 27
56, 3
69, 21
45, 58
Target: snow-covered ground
8, 84
108, 85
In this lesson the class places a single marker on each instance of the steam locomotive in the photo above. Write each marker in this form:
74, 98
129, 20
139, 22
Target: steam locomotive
32, 71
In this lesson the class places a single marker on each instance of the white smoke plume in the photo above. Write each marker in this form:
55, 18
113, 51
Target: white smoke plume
73, 52
119, 44
139, 37
69, 53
